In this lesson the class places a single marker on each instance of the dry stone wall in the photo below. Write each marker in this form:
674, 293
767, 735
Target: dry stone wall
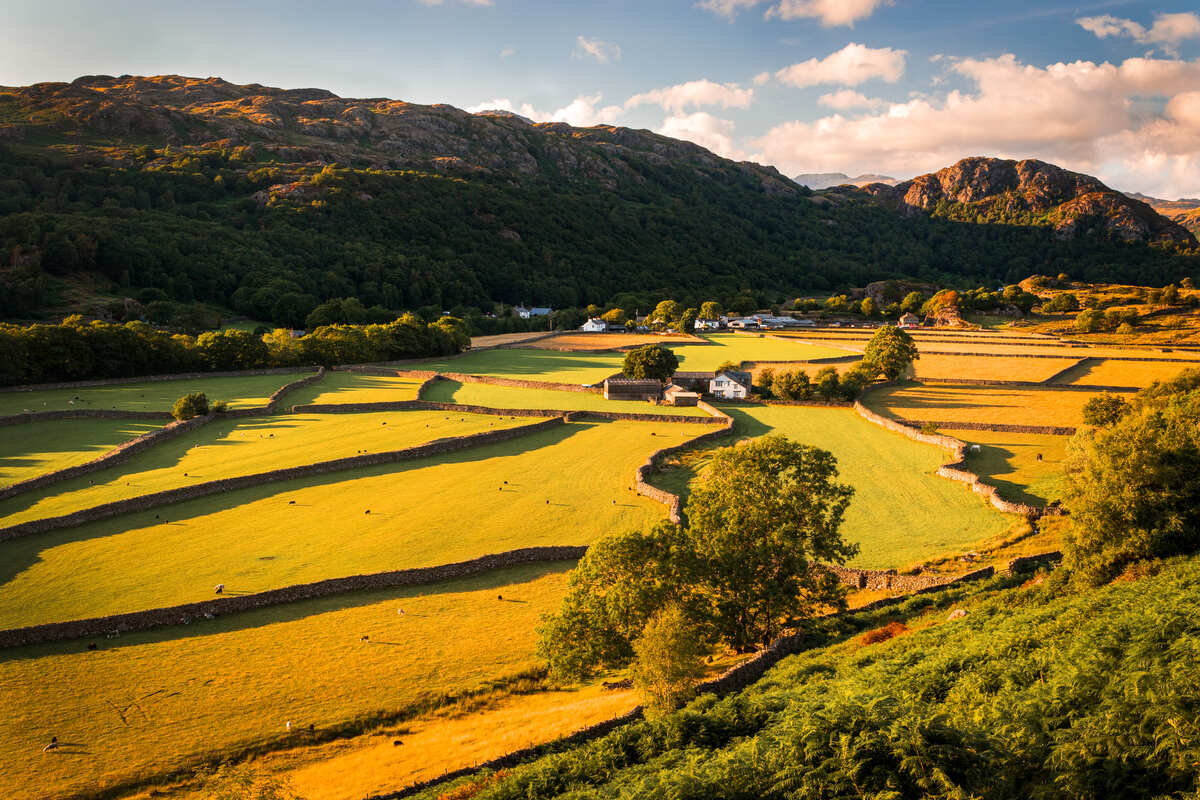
207, 609
180, 376
670, 500
493, 380
170, 496
82, 413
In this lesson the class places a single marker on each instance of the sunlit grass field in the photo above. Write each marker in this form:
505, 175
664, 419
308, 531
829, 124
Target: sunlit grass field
232, 447
479, 394
240, 391
353, 387
27, 451
234, 682
1123, 373
901, 511
603, 341
987, 404
1009, 461
931, 365
568, 485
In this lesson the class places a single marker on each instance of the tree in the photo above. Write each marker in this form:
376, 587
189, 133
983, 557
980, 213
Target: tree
668, 660
943, 300
687, 321
710, 310
651, 362
890, 351
232, 349
1133, 489
455, 330
615, 316
868, 308
758, 519
792, 385
190, 405
1103, 410
726, 366
912, 302
826, 382
665, 313
852, 382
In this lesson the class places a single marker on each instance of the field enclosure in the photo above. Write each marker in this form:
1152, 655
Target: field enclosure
27, 451
948, 404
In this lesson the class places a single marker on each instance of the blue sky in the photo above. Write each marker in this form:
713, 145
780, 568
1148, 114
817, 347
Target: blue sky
901, 87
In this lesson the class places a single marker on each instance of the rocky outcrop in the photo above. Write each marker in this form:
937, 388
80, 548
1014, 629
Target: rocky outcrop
1031, 192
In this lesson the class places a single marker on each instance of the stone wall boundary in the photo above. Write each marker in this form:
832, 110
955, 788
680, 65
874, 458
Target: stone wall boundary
836, 345
519, 383
180, 376
187, 613
671, 500
207, 488
1000, 427
82, 413
276, 396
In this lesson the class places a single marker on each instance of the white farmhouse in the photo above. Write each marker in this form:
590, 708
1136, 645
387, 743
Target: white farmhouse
730, 385
594, 325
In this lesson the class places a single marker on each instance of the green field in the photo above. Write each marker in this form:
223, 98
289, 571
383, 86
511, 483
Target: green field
232, 447
240, 391
353, 387
1009, 461
901, 512
27, 451
234, 682
480, 394
568, 485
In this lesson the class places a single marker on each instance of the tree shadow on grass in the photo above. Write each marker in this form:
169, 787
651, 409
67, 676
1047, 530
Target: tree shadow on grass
18, 555
506, 581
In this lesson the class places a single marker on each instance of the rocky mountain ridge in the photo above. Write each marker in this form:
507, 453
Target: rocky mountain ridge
825, 180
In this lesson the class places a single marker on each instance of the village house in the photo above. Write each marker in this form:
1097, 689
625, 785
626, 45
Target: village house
594, 325
536, 311
730, 385
618, 387
693, 381
910, 320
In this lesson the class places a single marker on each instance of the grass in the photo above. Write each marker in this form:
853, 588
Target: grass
931, 365
605, 341
27, 451
569, 485
232, 683
241, 391
987, 404
480, 394
1009, 461
1123, 373
228, 448
901, 512
353, 387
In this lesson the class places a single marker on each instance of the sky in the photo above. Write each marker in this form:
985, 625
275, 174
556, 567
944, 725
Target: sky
894, 87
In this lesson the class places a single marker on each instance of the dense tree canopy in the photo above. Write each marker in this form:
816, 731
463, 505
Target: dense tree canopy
653, 362
890, 351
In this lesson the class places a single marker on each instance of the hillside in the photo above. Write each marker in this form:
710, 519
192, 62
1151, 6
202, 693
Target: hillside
266, 202
824, 180
1184, 211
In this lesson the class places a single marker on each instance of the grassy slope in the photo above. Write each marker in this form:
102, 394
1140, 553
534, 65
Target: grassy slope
240, 391
431, 511
27, 451
228, 448
1034, 693
481, 394
235, 681
895, 488
1009, 462
1123, 373
989, 404
350, 387
931, 365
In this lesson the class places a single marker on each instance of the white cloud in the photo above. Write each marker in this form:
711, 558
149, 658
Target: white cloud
598, 49
1102, 119
829, 12
583, 111
762, 79
850, 66
1168, 30
844, 99
704, 129
727, 8
695, 93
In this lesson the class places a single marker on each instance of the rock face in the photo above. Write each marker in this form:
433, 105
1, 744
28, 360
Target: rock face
310, 125
1031, 193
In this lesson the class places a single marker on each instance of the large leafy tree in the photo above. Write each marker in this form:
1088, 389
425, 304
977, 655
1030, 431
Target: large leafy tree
890, 351
652, 362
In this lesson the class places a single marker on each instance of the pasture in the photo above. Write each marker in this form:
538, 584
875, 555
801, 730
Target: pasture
152, 702
480, 394
1032, 370
241, 391
893, 477
568, 485
949, 403
232, 447
606, 341
1134, 374
27, 451
1009, 461
353, 387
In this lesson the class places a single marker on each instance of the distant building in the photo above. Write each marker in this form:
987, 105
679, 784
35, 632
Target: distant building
693, 381
675, 395
618, 387
730, 385
594, 325
536, 311
910, 321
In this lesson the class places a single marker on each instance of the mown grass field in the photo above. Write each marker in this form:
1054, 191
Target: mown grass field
901, 512
1009, 461
1123, 373
240, 391
604, 341
931, 365
232, 447
948, 403
569, 485
27, 451
234, 682
479, 394
352, 387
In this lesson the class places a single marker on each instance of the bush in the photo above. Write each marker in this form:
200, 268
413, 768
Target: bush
190, 405
668, 660
889, 631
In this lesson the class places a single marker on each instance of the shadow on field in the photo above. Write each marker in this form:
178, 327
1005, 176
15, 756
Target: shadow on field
17, 555
507, 582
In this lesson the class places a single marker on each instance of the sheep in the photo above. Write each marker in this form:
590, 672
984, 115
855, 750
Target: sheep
92, 646
291, 502
52, 746
288, 725
219, 588
364, 638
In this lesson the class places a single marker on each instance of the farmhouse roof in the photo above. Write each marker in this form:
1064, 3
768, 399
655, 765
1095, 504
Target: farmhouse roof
621, 380
695, 375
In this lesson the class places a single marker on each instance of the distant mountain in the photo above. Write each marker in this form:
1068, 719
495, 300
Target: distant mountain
1185, 211
824, 180
1034, 193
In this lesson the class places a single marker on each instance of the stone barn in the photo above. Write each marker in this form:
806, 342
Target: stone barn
675, 395
618, 387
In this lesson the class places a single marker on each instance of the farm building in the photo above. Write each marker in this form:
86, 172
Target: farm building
536, 311
730, 385
675, 395
594, 325
910, 321
693, 381
618, 387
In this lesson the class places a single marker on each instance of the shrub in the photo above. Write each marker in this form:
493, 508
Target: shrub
190, 405
889, 631
668, 660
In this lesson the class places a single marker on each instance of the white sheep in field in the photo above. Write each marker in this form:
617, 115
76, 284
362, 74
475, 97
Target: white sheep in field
219, 588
